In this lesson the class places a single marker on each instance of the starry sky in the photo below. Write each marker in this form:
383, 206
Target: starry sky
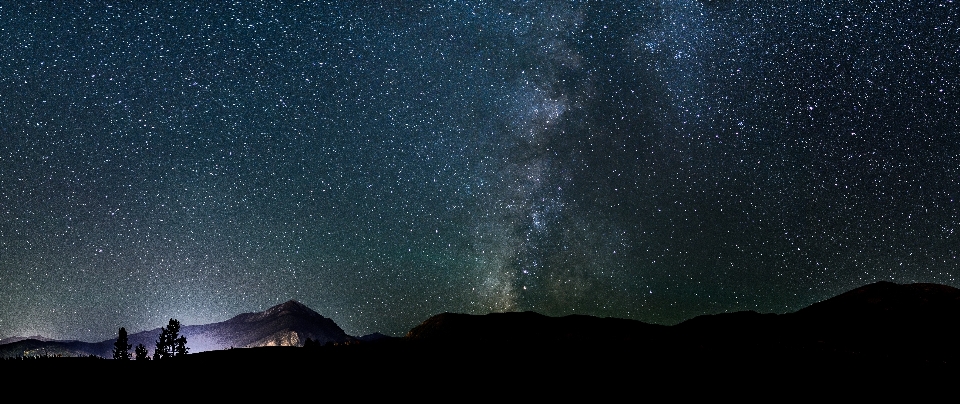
385, 161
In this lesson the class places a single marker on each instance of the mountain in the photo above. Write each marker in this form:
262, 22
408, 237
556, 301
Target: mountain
375, 337
31, 347
920, 320
878, 323
11, 340
287, 324
878, 326
875, 325
881, 304
529, 328
888, 301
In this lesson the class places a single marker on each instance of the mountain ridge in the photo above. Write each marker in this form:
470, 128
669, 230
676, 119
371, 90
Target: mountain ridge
911, 323
287, 324
902, 323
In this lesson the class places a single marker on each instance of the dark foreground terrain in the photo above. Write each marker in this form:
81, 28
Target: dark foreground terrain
879, 332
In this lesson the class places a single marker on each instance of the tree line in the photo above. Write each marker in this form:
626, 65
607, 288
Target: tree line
170, 344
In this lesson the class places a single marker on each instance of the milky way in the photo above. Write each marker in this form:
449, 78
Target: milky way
385, 162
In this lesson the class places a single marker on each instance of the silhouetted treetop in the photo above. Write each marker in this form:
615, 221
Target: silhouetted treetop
170, 342
121, 349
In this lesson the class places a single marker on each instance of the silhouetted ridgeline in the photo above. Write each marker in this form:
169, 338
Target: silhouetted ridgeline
287, 324
881, 326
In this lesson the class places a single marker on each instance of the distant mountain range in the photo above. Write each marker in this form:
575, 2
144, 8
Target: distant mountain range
878, 324
287, 324
18, 339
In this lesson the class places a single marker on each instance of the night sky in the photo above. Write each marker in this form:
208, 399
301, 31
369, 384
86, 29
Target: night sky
385, 161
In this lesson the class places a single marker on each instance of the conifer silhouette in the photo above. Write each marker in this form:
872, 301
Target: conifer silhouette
170, 343
180, 346
141, 353
121, 349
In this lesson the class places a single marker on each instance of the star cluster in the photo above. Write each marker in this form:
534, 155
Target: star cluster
382, 162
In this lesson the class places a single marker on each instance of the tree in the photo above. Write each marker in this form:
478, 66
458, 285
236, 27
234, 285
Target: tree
121, 349
170, 343
181, 347
141, 353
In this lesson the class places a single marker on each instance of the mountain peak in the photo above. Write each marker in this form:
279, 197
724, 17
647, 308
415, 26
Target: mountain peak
290, 307
292, 304
888, 298
10, 340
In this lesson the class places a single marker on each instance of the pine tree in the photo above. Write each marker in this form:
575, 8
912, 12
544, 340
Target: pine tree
141, 353
181, 347
121, 349
170, 343
161, 352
